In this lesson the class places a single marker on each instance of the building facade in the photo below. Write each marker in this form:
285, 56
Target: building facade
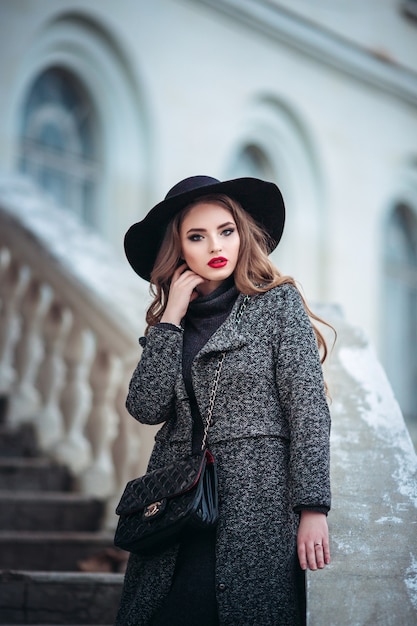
107, 105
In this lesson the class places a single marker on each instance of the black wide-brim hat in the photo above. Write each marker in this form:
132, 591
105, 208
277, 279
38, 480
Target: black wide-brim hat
261, 199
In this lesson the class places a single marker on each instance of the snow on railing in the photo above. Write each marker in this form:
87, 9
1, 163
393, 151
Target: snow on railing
373, 575
70, 315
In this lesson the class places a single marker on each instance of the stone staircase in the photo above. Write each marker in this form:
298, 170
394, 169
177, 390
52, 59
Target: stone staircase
56, 565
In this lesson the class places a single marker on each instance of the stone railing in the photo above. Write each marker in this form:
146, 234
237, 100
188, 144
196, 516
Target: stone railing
373, 522
70, 315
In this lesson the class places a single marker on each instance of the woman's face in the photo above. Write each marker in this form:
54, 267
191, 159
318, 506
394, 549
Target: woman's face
210, 243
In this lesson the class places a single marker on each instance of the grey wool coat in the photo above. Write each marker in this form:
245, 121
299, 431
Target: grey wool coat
270, 438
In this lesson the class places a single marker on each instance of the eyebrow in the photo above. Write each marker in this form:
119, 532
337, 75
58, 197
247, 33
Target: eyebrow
204, 230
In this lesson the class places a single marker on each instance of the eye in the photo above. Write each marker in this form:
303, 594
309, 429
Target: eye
227, 232
195, 237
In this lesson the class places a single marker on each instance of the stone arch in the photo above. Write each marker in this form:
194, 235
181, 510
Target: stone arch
287, 154
79, 45
399, 293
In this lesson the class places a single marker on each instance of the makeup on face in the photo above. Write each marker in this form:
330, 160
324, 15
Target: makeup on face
210, 243
218, 262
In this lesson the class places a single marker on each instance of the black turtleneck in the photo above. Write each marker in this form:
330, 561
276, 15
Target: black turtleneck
204, 316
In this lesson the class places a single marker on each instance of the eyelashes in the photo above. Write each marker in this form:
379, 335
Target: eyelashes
225, 233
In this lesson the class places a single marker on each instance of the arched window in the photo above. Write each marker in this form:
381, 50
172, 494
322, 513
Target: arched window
400, 310
58, 146
271, 142
77, 70
251, 160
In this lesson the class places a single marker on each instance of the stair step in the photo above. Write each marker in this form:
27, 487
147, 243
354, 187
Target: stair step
66, 551
59, 598
21, 442
33, 474
23, 510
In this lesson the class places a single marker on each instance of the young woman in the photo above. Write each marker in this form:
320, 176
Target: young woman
203, 249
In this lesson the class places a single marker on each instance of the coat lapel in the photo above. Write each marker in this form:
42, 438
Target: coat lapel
228, 336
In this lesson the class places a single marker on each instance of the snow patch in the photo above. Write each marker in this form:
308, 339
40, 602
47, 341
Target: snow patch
81, 251
381, 412
389, 520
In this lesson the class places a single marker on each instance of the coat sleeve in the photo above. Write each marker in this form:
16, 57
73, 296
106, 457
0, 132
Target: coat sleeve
151, 395
303, 400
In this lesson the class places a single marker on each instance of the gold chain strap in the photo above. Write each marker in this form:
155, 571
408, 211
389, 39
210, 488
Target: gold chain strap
217, 378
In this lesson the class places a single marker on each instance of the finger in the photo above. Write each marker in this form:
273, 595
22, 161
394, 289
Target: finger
189, 282
184, 274
178, 272
311, 556
318, 552
302, 557
326, 552
195, 293
182, 292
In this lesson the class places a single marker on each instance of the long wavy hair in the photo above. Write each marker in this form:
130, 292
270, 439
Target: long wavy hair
254, 272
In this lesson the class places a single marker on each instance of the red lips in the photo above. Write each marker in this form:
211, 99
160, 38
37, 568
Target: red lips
217, 262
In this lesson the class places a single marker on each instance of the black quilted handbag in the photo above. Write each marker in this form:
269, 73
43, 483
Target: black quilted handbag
155, 507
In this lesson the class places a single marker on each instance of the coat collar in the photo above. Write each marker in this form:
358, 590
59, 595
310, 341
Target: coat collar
229, 335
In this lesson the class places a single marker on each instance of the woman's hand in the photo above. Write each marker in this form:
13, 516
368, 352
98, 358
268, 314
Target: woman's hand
313, 540
181, 293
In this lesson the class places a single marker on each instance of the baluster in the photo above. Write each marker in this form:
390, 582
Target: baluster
51, 428
25, 401
126, 449
100, 479
12, 286
4, 262
122, 444
75, 450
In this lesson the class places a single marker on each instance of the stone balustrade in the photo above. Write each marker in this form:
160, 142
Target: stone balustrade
70, 315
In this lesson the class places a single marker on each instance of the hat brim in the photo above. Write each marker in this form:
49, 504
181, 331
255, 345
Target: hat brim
262, 200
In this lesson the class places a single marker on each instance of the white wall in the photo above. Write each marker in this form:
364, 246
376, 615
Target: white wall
199, 80
379, 26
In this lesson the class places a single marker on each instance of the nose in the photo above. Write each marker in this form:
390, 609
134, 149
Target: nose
215, 246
